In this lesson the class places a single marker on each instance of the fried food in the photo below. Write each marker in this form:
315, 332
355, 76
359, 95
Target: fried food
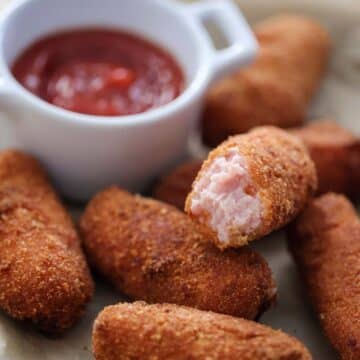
171, 332
251, 185
336, 154
277, 89
174, 187
334, 150
44, 277
325, 242
151, 251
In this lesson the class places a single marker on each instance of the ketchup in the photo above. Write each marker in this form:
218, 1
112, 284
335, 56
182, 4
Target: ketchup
99, 72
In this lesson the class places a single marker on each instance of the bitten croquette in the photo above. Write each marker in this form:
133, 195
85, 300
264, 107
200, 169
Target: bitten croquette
251, 185
334, 150
171, 332
278, 88
325, 243
151, 251
44, 277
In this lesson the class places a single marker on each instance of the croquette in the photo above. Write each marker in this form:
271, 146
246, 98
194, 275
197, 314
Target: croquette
277, 89
325, 243
153, 252
251, 185
336, 154
334, 150
174, 187
44, 278
171, 332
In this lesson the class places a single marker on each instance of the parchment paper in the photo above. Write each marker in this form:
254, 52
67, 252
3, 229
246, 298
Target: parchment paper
339, 99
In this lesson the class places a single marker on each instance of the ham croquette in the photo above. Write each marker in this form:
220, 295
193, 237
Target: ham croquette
251, 185
140, 331
334, 150
153, 252
44, 277
325, 243
278, 88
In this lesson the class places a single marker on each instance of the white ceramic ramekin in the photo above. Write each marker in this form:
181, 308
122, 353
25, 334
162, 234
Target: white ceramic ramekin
85, 153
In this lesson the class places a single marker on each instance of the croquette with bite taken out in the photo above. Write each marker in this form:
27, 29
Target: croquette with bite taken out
251, 185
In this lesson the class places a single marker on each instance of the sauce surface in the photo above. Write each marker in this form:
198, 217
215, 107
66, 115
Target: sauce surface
99, 72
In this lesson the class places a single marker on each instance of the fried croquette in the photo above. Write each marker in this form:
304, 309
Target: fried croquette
334, 150
325, 242
251, 185
336, 154
171, 332
277, 89
174, 187
151, 251
44, 277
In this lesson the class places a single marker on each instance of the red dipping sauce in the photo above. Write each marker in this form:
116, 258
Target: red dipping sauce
100, 72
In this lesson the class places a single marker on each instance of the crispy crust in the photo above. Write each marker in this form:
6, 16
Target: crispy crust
336, 154
325, 242
277, 88
43, 274
151, 251
140, 331
282, 173
174, 187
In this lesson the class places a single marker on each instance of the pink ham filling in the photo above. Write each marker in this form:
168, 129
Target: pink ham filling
221, 194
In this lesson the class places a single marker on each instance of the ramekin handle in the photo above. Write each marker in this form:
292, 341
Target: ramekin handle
243, 45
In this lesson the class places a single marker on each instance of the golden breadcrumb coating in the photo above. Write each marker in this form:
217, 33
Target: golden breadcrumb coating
325, 242
171, 332
277, 89
151, 251
282, 174
336, 154
174, 187
43, 274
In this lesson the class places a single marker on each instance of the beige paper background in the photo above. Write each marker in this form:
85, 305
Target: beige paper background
339, 99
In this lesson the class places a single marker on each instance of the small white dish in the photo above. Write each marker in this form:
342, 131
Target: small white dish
85, 153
